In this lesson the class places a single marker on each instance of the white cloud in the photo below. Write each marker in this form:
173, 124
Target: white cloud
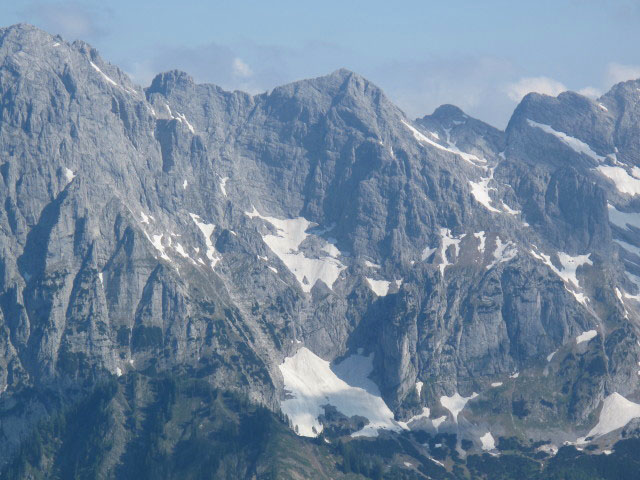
206, 63
468, 82
485, 87
246, 66
548, 86
240, 68
72, 20
617, 73
141, 72
590, 92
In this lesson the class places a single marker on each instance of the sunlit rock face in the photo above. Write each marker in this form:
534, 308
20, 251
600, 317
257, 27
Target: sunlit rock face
264, 242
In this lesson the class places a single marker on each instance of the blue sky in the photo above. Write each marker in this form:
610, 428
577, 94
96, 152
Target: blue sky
480, 55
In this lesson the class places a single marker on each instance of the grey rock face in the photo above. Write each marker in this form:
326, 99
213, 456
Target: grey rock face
127, 244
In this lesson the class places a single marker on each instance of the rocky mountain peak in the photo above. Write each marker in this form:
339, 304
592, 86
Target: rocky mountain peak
312, 244
165, 83
342, 90
25, 34
448, 112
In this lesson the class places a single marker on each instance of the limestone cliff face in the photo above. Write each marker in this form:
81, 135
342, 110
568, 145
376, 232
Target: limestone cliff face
185, 226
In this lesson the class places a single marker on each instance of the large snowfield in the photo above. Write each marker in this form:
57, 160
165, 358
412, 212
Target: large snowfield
312, 382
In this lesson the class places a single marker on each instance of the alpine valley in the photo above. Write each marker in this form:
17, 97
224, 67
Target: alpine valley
307, 284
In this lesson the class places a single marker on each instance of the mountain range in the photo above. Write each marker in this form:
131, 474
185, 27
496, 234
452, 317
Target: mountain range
305, 283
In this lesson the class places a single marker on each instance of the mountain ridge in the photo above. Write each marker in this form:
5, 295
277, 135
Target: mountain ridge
341, 74
184, 227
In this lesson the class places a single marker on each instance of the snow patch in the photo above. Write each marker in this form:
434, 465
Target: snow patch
331, 249
185, 184
447, 241
570, 266
511, 211
182, 119
504, 252
422, 415
438, 421
576, 145
496, 384
379, 287
451, 148
549, 448
456, 403
426, 253
223, 184
311, 383
480, 191
290, 233
181, 251
636, 281
624, 182
568, 272
488, 442
628, 247
207, 230
69, 175
104, 75
586, 336
480, 236
369, 264
156, 241
419, 388
616, 412
621, 299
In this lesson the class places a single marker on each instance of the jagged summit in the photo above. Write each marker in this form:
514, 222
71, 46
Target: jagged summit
447, 111
341, 80
342, 74
165, 82
340, 83
629, 87
23, 30
26, 38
